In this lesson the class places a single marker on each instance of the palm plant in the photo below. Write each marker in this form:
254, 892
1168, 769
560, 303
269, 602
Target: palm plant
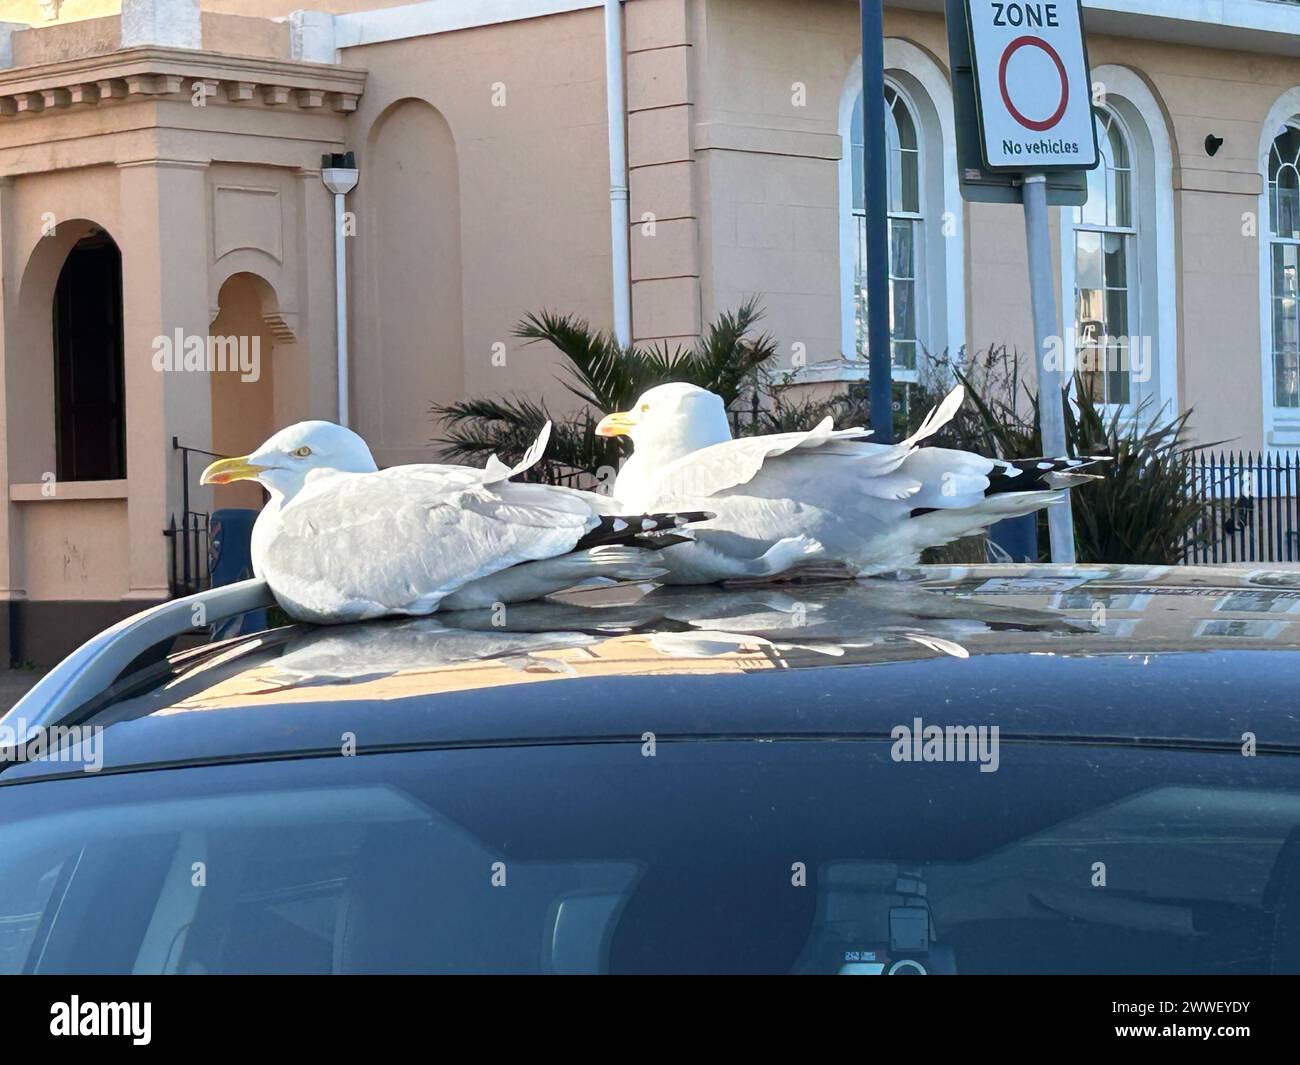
1138, 510
605, 376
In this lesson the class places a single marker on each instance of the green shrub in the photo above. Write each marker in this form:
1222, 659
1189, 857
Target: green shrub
606, 377
1138, 510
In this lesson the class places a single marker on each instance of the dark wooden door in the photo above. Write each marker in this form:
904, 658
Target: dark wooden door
90, 421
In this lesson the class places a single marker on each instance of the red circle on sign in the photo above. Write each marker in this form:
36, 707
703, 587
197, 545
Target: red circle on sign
1012, 49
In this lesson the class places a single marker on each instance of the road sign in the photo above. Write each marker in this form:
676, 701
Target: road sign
1032, 85
1065, 188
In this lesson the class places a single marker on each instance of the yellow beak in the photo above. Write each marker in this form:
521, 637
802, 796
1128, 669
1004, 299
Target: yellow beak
223, 471
620, 423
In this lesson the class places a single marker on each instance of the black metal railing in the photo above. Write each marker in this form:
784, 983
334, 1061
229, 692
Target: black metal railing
190, 536
1250, 507
743, 413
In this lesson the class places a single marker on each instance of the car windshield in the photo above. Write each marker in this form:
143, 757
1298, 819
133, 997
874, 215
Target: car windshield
809, 856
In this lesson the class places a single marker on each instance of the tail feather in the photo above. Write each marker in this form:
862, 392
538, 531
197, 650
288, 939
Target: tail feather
533, 580
933, 528
939, 527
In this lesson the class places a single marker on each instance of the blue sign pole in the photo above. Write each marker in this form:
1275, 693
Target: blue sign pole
877, 211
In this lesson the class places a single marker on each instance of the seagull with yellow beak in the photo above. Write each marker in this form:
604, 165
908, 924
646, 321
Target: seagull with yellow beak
342, 540
827, 496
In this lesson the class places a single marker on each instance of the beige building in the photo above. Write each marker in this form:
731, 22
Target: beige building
161, 184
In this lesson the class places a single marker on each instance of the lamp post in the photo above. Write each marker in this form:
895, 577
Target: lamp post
339, 173
876, 189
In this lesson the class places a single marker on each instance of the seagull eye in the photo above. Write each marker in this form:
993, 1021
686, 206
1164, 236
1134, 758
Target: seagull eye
301, 452
645, 407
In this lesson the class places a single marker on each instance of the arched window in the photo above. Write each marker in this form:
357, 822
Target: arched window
1106, 275
89, 400
1284, 258
905, 229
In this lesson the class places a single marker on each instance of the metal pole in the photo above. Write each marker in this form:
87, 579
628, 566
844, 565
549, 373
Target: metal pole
1051, 378
877, 221
341, 305
619, 218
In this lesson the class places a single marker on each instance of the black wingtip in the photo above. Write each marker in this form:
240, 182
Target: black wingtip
654, 531
1038, 474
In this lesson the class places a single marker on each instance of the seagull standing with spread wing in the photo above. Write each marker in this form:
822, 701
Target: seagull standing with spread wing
342, 540
826, 495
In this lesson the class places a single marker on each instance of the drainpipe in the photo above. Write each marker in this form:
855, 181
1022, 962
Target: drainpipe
619, 219
339, 173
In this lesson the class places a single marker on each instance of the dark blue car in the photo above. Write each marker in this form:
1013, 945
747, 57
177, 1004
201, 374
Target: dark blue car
964, 770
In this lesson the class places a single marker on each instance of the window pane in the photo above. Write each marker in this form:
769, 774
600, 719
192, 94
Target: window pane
906, 127
1102, 314
855, 162
909, 185
902, 292
910, 181
860, 286
901, 263
1110, 184
1091, 323
1117, 376
1286, 214
901, 311
1286, 329
1093, 213
1284, 183
1285, 375
1088, 272
1117, 312
1115, 248
1116, 146
893, 163
1118, 212
904, 354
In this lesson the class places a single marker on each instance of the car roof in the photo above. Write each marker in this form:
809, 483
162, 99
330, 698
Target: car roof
1186, 656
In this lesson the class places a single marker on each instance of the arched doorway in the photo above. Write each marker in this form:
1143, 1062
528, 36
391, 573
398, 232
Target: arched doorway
89, 395
241, 342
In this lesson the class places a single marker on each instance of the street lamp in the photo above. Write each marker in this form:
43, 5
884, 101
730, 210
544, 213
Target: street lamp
339, 173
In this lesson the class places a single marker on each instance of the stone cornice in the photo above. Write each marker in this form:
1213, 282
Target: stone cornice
153, 72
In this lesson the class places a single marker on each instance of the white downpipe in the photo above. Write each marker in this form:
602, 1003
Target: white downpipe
341, 303
619, 218
340, 179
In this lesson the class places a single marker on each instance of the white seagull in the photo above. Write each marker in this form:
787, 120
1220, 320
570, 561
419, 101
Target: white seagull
822, 496
341, 540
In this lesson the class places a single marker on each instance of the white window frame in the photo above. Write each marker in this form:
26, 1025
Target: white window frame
916, 219
1275, 240
941, 295
1129, 96
1281, 430
1132, 258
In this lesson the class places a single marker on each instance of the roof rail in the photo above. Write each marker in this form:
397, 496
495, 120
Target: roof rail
93, 666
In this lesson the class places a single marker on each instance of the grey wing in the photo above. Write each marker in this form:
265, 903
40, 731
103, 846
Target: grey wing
358, 546
729, 464
847, 457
